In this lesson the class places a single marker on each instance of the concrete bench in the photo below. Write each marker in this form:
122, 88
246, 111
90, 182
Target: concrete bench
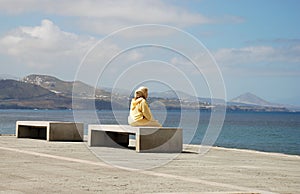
148, 139
50, 130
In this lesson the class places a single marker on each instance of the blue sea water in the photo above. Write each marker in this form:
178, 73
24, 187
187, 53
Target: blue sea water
269, 132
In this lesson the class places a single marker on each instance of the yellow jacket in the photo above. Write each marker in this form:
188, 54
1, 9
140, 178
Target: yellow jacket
140, 113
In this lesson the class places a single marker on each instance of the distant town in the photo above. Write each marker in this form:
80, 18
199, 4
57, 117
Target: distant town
48, 92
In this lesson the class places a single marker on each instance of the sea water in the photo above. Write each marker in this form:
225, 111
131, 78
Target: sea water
269, 132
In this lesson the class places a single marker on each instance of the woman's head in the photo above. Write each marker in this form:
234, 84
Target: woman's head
141, 92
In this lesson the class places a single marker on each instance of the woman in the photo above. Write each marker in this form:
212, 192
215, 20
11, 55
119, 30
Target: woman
140, 114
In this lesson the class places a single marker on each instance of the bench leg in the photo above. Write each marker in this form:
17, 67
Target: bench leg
31, 132
162, 140
109, 139
65, 132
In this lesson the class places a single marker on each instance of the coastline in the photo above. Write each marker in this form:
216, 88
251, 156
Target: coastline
258, 152
194, 148
267, 132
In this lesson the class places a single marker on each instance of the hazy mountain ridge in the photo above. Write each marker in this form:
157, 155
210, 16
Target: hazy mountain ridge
11, 89
48, 92
251, 99
169, 94
66, 87
31, 95
248, 99
16, 94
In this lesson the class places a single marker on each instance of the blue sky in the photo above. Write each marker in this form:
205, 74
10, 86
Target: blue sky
256, 43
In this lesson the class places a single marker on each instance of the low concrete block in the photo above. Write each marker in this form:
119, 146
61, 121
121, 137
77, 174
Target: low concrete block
148, 139
159, 140
50, 130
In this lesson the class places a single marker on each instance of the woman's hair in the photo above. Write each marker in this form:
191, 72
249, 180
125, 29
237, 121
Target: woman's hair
141, 92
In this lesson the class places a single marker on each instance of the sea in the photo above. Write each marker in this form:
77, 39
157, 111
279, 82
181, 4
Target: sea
277, 132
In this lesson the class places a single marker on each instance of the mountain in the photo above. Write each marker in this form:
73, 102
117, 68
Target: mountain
180, 100
84, 94
117, 91
251, 99
48, 92
65, 88
16, 94
169, 94
11, 89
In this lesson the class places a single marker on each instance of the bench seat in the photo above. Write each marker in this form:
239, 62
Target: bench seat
148, 139
50, 130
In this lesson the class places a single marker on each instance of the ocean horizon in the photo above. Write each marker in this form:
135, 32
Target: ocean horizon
277, 132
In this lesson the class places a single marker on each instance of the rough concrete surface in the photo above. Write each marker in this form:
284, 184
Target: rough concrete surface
38, 166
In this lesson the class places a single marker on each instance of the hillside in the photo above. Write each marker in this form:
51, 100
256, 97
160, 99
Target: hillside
65, 88
16, 94
11, 89
251, 99
23, 95
47, 92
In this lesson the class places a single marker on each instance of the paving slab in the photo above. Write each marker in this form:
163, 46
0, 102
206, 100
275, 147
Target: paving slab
38, 166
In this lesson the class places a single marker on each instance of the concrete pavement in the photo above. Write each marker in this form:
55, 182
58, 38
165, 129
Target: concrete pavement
38, 166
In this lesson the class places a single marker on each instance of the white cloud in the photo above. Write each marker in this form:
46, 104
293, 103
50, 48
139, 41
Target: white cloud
130, 10
134, 56
269, 60
45, 45
47, 48
243, 55
202, 64
232, 19
254, 54
106, 16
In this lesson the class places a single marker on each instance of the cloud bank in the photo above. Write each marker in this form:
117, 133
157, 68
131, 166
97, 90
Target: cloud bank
263, 60
106, 16
45, 45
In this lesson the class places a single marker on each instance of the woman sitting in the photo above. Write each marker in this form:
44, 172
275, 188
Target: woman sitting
140, 114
